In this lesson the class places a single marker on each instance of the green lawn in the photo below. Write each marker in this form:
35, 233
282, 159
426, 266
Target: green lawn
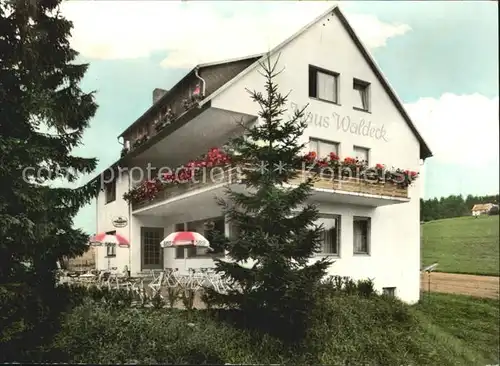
472, 322
462, 245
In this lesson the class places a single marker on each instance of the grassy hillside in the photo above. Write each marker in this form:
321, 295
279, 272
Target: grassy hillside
462, 245
471, 322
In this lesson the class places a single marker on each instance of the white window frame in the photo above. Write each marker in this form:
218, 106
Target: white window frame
367, 150
315, 73
361, 88
179, 251
198, 226
389, 291
338, 228
315, 145
368, 235
111, 249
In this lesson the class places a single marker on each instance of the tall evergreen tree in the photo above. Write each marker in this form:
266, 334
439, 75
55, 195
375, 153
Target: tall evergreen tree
270, 271
43, 116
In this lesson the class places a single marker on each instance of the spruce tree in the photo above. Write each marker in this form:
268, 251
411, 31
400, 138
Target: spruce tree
43, 116
272, 279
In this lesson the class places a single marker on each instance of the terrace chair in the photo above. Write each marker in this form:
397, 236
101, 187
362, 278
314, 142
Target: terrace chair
155, 285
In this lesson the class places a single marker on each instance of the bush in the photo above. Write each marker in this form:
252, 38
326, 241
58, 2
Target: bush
380, 330
29, 317
94, 333
494, 211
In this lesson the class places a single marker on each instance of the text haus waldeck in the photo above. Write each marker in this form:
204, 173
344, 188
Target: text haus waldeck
344, 123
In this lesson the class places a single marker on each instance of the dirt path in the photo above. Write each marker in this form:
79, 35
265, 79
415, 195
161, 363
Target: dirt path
454, 283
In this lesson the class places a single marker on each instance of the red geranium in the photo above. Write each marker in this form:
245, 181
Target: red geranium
349, 161
334, 157
311, 155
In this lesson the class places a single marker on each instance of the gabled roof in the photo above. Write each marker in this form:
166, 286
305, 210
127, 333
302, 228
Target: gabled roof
425, 151
482, 207
189, 74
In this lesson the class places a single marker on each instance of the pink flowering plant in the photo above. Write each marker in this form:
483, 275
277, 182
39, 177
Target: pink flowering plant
334, 167
149, 189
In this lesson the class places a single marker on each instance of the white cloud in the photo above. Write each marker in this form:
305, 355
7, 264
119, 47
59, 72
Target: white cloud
198, 32
460, 129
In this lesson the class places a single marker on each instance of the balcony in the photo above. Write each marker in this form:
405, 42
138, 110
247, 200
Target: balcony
200, 194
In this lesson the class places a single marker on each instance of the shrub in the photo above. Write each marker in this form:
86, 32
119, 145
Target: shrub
29, 318
157, 301
494, 211
173, 294
93, 333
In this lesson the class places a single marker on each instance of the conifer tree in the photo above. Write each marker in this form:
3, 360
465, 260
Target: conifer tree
43, 116
272, 279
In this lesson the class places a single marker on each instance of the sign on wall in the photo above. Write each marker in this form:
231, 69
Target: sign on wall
344, 123
120, 221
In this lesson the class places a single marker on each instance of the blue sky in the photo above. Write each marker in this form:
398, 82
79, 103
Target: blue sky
441, 58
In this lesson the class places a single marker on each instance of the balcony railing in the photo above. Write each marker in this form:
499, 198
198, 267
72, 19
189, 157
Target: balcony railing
218, 176
356, 185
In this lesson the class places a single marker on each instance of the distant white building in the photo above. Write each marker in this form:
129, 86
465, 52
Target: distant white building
372, 232
482, 209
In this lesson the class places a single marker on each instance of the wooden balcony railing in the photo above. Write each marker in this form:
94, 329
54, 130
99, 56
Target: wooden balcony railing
218, 176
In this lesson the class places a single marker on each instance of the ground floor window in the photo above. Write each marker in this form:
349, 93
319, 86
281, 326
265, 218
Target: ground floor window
361, 235
179, 251
208, 228
389, 291
111, 249
330, 236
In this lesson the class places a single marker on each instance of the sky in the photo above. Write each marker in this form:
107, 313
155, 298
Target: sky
440, 57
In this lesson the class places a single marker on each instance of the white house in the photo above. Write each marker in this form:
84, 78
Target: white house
482, 209
352, 111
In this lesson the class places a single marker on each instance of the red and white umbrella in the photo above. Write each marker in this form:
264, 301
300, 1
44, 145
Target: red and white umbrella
109, 239
185, 238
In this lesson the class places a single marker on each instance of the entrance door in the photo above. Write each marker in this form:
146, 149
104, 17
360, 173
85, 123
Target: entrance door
151, 252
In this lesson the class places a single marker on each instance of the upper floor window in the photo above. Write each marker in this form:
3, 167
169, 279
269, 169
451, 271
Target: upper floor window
330, 236
361, 235
323, 148
110, 191
361, 153
323, 84
361, 91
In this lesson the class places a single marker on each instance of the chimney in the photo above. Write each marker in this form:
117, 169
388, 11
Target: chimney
158, 93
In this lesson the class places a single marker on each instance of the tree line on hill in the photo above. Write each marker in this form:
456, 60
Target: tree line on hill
452, 206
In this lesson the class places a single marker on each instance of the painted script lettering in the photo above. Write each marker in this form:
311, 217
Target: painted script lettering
344, 123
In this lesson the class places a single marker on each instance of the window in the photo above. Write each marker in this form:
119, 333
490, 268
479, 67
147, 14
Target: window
110, 191
215, 225
204, 227
330, 236
389, 291
361, 235
361, 95
361, 153
179, 251
323, 84
152, 254
111, 249
323, 148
